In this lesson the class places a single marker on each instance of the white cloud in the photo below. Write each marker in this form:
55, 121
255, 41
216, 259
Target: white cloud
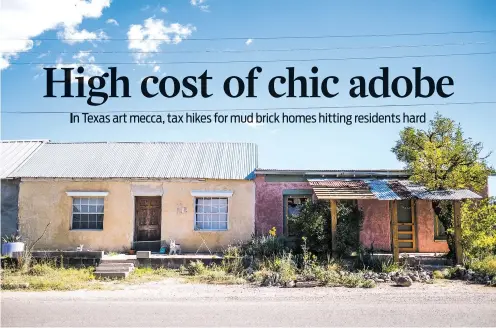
152, 34
112, 21
71, 35
249, 41
200, 4
23, 20
164, 10
156, 68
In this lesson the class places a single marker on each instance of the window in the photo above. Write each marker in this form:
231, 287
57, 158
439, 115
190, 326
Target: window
439, 231
211, 213
87, 213
292, 205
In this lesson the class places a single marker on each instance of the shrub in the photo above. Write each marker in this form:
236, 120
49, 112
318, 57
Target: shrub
478, 229
486, 266
436, 274
313, 222
195, 268
264, 246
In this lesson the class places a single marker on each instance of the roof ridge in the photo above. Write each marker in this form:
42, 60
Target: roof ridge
149, 142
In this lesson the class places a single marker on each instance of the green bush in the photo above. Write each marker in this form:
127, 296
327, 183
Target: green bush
314, 223
486, 265
478, 229
195, 268
264, 246
436, 274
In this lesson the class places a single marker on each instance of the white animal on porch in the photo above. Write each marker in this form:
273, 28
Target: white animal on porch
175, 249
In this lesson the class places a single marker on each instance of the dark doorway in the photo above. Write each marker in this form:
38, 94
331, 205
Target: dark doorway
148, 218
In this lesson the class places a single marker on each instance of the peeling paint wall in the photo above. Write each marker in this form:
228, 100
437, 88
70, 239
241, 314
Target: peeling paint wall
376, 229
43, 201
9, 201
269, 203
425, 229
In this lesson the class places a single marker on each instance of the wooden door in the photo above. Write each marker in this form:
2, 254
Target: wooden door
406, 226
148, 217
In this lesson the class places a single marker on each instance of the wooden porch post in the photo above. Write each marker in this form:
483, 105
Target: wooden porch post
334, 224
394, 230
458, 232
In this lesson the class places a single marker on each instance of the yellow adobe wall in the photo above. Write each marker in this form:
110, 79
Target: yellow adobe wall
43, 201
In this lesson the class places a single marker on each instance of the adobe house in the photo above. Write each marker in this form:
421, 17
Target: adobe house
13, 154
112, 196
398, 215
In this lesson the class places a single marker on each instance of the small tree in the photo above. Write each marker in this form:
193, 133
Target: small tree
479, 228
440, 158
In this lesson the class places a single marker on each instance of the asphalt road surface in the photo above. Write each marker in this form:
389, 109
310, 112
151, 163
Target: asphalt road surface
170, 303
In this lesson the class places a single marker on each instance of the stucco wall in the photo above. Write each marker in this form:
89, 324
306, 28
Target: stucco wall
269, 203
376, 228
425, 229
43, 201
9, 197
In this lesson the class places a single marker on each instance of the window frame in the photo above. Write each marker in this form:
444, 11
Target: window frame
220, 196
71, 227
296, 193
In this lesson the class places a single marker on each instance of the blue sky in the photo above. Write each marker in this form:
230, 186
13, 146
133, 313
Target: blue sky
106, 26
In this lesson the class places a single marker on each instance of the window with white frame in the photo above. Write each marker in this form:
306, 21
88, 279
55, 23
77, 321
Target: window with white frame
87, 213
211, 213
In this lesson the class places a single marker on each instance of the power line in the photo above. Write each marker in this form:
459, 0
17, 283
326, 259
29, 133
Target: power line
262, 61
267, 50
264, 37
258, 109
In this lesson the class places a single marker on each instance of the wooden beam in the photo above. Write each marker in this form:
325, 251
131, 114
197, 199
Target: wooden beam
334, 225
458, 232
394, 230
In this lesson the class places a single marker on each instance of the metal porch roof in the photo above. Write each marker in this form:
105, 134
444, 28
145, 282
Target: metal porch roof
101, 160
383, 189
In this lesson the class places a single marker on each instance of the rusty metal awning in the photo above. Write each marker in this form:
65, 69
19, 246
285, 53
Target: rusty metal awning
383, 189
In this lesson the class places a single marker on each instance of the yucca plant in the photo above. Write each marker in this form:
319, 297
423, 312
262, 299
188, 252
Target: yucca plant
14, 238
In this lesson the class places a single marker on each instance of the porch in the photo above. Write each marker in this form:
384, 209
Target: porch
401, 196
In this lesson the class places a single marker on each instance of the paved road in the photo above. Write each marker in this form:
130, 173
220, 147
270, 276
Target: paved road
173, 304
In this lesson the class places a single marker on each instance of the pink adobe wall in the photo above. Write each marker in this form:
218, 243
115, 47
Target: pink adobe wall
425, 229
269, 203
376, 228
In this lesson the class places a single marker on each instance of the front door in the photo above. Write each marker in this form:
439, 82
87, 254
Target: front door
148, 217
406, 226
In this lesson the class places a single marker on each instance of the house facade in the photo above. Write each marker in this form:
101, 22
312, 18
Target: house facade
14, 154
118, 196
379, 194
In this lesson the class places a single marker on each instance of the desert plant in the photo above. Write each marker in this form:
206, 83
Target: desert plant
264, 246
14, 238
195, 268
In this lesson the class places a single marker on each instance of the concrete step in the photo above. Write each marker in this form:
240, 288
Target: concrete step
111, 275
116, 265
114, 269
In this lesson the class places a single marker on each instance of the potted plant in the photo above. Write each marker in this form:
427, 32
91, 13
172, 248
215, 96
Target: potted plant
132, 251
12, 244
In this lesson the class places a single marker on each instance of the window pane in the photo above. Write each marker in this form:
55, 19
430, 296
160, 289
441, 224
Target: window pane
99, 225
99, 209
76, 218
75, 208
84, 201
93, 201
92, 225
223, 225
84, 225
215, 225
76, 225
404, 211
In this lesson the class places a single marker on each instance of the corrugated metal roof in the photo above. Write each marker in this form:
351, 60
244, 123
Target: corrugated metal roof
13, 153
207, 160
383, 189
340, 189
